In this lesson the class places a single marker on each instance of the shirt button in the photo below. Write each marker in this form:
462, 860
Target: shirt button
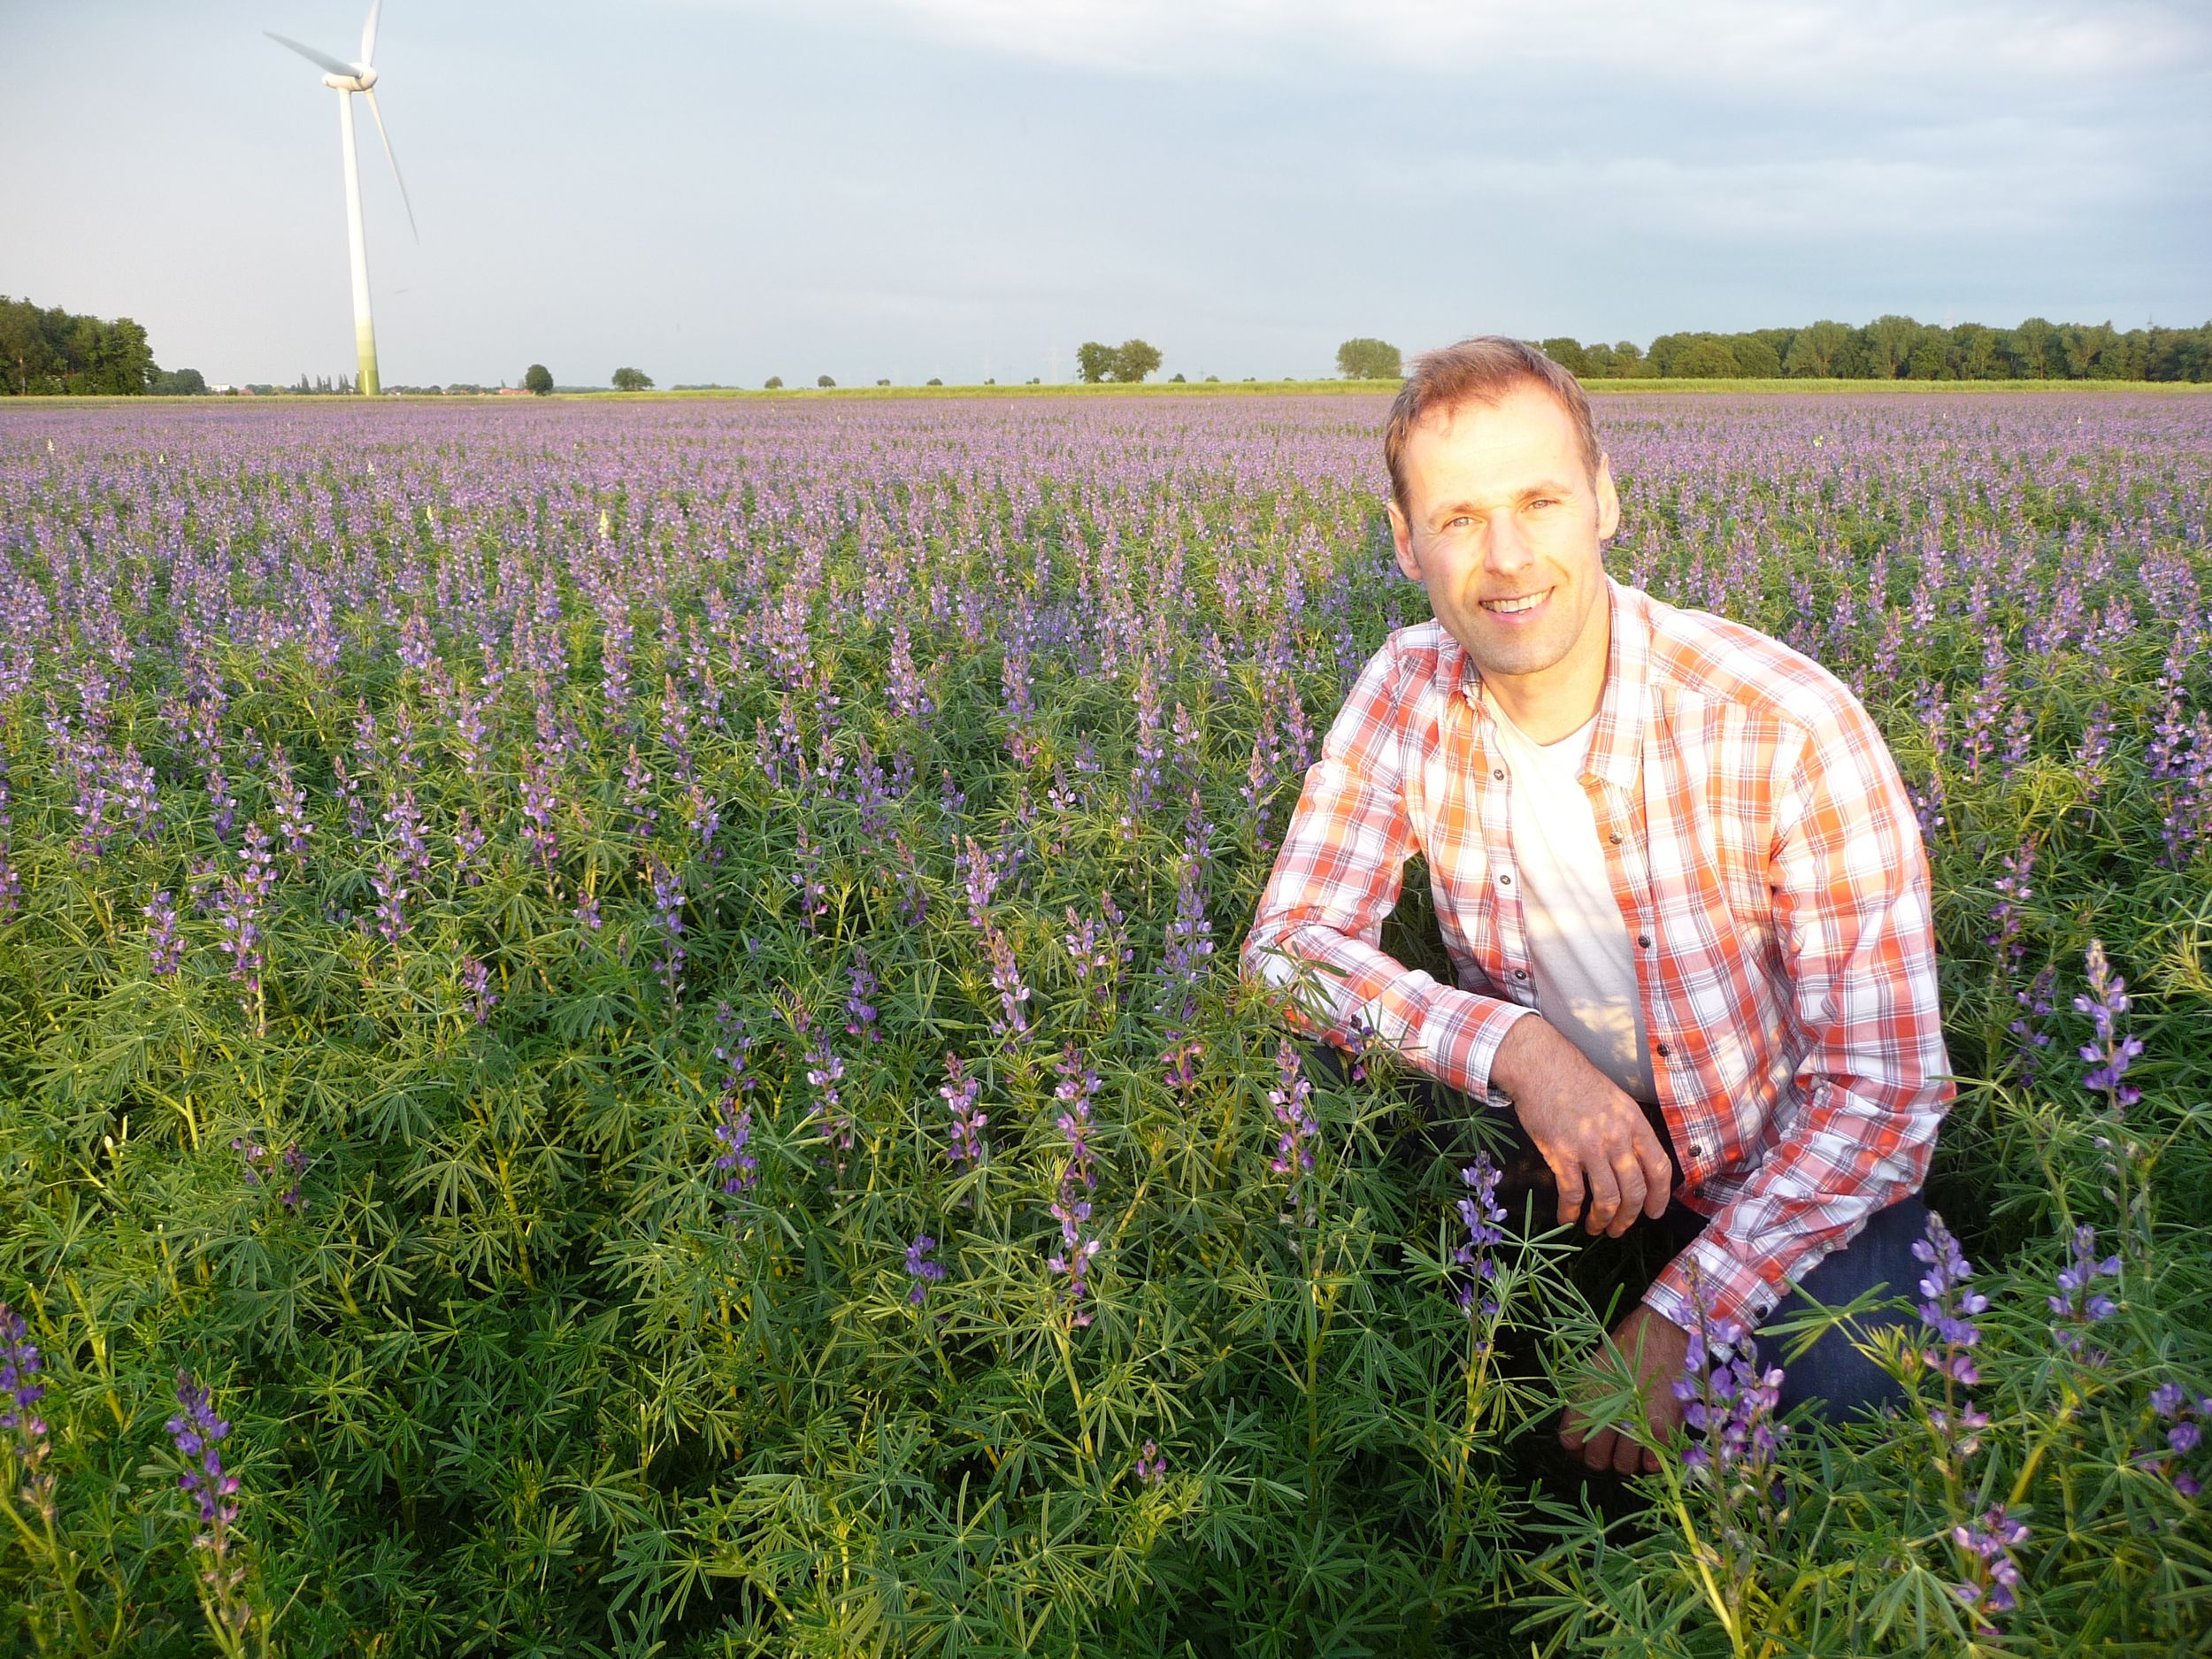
1697, 1149
1616, 839
1497, 771
1661, 1048
1520, 973
1644, 940
1505, 881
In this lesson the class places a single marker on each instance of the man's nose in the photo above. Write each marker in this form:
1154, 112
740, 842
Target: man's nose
1505, 549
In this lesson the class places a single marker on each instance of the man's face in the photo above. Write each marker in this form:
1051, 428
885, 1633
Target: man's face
1502, 525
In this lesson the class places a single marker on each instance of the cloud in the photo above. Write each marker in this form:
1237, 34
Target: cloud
1822, 45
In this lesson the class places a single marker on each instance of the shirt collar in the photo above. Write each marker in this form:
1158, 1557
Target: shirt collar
1617, 744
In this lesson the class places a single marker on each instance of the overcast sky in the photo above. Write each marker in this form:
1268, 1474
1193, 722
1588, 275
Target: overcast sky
724, 190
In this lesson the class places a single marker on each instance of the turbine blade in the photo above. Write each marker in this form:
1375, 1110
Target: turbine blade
368, 33
387, 137
322, 60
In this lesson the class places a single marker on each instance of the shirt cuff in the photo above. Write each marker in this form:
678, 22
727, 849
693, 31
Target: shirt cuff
1460, 1032
1735, 1291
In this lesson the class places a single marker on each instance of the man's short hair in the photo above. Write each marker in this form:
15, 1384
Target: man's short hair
1482, 370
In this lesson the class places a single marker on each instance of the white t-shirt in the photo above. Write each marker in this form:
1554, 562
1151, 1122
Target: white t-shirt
1579, 951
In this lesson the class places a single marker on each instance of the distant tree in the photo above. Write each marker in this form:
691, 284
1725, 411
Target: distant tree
1566, 350
775, 383
1888, 342
1598, 361
1368, 359
824, 379
883, 382
537, 380
633, 380
179, 383
1134, 360
934, 380
1176, 380
1094, 362
54, 351
1756, 359
1693, 357
1817, 351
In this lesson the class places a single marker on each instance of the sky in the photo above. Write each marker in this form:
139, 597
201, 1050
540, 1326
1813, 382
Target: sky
721, 190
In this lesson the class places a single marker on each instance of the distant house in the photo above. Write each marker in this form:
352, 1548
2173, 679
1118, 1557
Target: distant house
513, 391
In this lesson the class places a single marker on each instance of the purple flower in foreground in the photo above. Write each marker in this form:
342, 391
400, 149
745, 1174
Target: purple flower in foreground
165, 951
198, 1434
1484, 1216
1729, 1405
1948, 1308
1151, 1464
21, 1391
733, 1127
476, 989
1071, 1207
2185, 1416
960, 1093
920, 1269
2110, 1056
1292, 1098
2079, 1304
1988, 1545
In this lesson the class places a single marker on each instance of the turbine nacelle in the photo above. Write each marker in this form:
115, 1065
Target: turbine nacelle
360, 80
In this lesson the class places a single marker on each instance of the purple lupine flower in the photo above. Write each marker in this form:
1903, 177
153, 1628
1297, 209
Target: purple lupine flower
1151, 1464
477, 994
860, 1013
21, 1391
1948, 1308
2110, 1056
703, 818
198, 1434
807, 878
980, 873
1988, 1544
390, 881
1189, 943
1485, 1218
1071, 1206
222, 806
10, 878
905, 690
468, 845
136, 798
539, 800
290, 802
637, 795
239, 905
2184, 1415
2013, 891
2079, 1304
265, 1166
961, 1095
405, 817
1013, 995
825, 1072
1146, 776
2029, 1036
587, 912
165, 950
1099, 948
920, 1269
668, 912
1729, 1403
1292, 1098
733, 1127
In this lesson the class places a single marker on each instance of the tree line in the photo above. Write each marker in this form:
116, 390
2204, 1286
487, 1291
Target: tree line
48, 351
1899, 349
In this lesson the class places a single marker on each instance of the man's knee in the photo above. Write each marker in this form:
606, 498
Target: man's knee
1837, 1370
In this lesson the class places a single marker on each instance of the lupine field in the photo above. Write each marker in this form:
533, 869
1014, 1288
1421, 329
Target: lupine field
619, 1033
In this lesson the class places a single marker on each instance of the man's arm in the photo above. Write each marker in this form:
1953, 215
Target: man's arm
1853, 920
1337, 877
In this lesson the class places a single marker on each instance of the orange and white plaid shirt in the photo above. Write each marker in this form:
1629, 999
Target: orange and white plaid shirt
1767, 866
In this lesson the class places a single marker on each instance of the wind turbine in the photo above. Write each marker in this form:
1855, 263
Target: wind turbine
346, 79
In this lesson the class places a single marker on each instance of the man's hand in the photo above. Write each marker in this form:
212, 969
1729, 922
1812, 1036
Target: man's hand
1593, 1135
1656, 1347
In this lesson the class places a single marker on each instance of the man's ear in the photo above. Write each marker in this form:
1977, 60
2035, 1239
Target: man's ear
1401, 538
1608, 499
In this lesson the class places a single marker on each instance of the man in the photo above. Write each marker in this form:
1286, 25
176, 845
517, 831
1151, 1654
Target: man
1676, 874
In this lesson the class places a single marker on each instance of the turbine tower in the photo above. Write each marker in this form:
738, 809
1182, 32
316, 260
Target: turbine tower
346, 79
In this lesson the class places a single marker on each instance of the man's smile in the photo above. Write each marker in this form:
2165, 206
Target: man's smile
1521, 606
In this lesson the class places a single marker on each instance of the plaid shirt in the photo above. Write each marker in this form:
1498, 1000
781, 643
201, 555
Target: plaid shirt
1769, 867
